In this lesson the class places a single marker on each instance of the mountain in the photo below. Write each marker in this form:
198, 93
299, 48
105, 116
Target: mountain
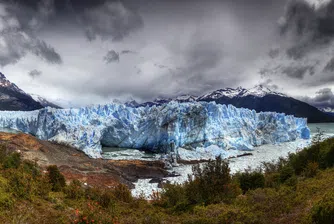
259, 98
13, 98
328, 110
44, 102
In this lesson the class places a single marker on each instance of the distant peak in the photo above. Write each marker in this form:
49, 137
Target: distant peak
2, 76
5, 83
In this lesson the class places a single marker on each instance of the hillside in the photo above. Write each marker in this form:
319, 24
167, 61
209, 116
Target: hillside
296, 190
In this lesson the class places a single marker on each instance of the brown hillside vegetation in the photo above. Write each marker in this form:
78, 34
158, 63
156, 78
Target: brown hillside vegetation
75, 165
298, 189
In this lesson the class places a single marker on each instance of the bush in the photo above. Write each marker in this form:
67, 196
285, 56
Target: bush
104, 197
311, 169
6, 199
122, 193
56, 179
152, 219
272, 180
286, 173
42, 186
31, 168
323, 211
211, 184
20, 184
74, 190
174, 195
250, 180
12, 161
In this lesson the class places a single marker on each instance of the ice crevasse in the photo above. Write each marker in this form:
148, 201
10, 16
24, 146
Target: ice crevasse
160, 129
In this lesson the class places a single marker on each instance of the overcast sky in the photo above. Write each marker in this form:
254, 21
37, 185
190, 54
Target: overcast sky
79, 52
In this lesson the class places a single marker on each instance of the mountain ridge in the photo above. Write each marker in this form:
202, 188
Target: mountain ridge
12, 98
259, 98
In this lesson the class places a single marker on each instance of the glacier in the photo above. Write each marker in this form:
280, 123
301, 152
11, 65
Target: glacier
160, 129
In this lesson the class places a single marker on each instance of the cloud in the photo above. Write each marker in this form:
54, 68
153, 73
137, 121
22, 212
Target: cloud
35, 73
128, 52
298, 72
324, 99
111, 56
305, 46
111, 20
269, 84
18, 27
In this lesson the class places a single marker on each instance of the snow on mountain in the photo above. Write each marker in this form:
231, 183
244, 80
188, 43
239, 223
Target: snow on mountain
5, 83
259, 98
327, 110
260, 91
186, 98
43, 101
228, 92
13, 98
257, 91
158, 128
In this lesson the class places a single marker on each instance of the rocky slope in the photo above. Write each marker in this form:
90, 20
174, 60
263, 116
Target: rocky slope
14, 99
76, 165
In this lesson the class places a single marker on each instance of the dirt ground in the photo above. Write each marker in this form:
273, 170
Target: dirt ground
75, 164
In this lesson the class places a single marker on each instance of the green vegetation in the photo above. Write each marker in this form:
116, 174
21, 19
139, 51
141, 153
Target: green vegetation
298, 189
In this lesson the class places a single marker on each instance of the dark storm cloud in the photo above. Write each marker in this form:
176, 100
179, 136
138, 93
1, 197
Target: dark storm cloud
111, 56
329, 66
194, 46
306, 44
184, 47
297, 72
202, 56
18, 26
35, 73
128, 52
269, 84
324, 99
111, 20
311, 25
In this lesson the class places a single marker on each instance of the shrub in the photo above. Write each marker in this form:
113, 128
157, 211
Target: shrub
31, 168
92, 213
153, 218
272, 180
56, 179
122, 193
323, 211
104, 197
250, 180
173, 195
3, 153
74, 190
42, 186
286, 173
311, 169
6, 199
211, 184
12, 161
20, 184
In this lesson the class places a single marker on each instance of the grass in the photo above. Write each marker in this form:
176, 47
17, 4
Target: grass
298, 189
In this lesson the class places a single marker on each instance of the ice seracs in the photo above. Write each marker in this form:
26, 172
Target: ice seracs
161, 129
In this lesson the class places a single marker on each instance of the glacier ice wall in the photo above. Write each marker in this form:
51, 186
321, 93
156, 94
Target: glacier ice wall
159, 128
